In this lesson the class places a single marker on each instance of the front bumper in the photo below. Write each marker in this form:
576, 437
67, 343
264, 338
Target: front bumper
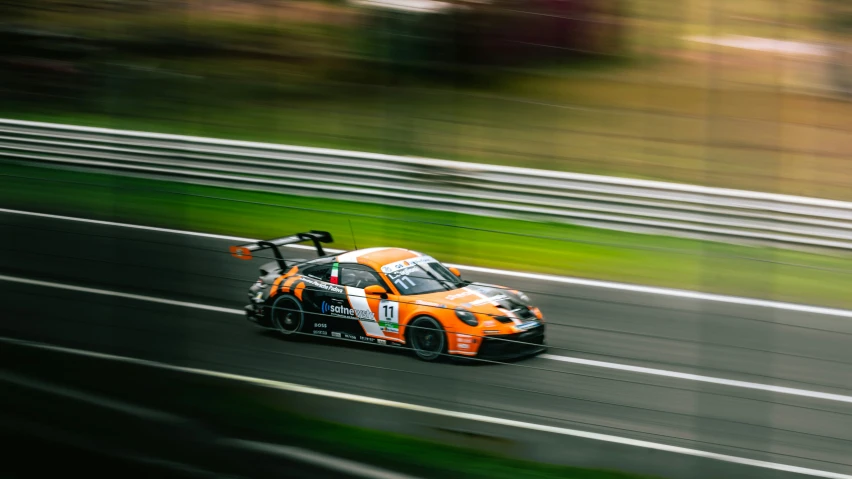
513, 346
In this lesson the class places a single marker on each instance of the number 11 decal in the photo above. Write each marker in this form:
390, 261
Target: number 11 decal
401, 282
389, 316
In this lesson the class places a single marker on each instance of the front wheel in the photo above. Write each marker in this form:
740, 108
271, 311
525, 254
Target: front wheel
427, 338
287, 315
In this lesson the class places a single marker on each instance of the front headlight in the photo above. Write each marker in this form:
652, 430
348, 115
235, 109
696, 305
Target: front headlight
467, 317
537, 313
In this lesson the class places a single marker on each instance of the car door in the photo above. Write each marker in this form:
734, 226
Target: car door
379, 317
325, 303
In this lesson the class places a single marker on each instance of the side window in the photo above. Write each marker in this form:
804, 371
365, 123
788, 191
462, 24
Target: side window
358, 276
321, 272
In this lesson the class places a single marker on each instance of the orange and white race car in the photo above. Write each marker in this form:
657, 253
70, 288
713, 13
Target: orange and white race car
390, 296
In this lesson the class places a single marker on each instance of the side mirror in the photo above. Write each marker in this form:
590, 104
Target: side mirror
376, 290
455, 271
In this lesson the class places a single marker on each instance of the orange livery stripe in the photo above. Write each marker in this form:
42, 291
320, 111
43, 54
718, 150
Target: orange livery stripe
298, 289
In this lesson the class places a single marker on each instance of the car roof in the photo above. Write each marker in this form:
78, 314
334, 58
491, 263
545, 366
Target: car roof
377, 257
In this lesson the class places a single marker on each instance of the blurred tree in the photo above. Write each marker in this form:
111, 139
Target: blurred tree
467, 35
836, 22
43, 63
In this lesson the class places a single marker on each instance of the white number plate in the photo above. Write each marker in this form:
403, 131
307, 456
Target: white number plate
389, 316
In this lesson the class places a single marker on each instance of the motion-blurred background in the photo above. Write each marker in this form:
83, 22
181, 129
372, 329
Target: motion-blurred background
754, 95
747, 94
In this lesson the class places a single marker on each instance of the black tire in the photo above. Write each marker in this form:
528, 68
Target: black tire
287, 315
426, 337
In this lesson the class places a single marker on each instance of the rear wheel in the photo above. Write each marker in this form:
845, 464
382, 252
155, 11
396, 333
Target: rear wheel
427, 338
287, 315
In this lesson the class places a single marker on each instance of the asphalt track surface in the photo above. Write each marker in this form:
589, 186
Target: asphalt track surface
753, 344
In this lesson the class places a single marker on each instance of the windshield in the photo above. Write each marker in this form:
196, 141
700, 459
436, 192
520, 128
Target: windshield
421, 275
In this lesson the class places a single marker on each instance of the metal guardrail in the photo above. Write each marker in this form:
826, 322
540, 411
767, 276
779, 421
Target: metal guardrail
502, 191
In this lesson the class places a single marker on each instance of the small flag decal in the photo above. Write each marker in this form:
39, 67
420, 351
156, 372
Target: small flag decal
334, 274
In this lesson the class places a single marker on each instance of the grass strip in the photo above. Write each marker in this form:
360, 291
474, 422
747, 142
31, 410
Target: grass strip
762, 272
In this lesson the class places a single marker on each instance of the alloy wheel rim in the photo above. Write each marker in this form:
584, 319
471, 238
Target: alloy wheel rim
427, 339
287, 321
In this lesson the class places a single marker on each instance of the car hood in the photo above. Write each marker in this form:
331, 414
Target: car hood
485, 299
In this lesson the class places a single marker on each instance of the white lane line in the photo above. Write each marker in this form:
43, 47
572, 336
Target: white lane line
587, 362
680, 293
120, 295
568, 359
706, 379
318, 459
298, 388
125, 225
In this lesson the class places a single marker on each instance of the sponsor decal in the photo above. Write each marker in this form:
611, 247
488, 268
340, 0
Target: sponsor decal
463, 338
395, 275
460, 295
350, 336
464, 346
382, 341
335, 335
489, 323
320, 331
408, 264
367, 338
321, 285
347, 312
320, 325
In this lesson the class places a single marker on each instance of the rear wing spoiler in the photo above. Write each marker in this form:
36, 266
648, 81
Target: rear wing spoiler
245, 251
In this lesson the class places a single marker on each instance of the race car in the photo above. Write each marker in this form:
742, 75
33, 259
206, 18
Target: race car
390, 296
